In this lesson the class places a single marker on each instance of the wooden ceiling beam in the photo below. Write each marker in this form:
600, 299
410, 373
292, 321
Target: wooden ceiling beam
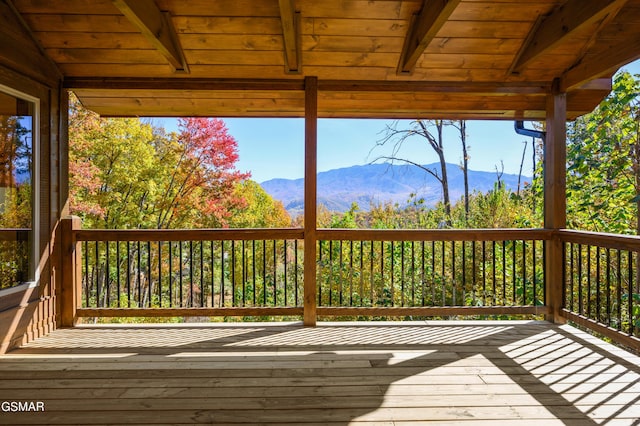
157, 27
605, 63
559, 25
194, 84
424, 27
125, 83
291, 36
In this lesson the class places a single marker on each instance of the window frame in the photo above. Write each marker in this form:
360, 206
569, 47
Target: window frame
34, 270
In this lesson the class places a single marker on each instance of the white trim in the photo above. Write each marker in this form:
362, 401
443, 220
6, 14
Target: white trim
17, 289
35, 185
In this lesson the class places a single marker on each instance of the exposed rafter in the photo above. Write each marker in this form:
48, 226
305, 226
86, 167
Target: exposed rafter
423, 29
157, 27
291, 35
606, 62
564, 21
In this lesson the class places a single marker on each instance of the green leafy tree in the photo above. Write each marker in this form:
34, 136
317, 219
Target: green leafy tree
127, 174
603, 153
260, 209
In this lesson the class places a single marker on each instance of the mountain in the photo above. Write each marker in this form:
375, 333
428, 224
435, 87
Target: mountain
379, 183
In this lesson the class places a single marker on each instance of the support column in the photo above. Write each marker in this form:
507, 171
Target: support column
71, 270
310, 195
555, 201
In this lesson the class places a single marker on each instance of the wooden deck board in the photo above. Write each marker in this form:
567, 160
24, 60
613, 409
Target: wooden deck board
335, 374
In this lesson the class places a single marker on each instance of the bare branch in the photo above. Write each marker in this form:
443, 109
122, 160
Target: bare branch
413, 163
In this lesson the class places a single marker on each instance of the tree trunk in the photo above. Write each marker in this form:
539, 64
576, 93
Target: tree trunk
465, 168
443, 170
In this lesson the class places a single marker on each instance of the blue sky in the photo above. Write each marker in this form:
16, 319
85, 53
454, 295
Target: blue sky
274, 148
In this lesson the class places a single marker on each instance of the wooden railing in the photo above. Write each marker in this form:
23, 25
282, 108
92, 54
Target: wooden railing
601, 286
260, 272
391, 273
431, 272
190, 272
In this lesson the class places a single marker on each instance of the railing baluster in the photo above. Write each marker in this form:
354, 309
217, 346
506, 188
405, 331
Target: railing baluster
86, 273
232, 273
619, 290
275, 282
413, 274
371, 275
244, 274
524, 272
588, 280
608, 293
284, 245
362, 298
504, 272
202, 298
598, 312
464, 273
484, 273
630, 299
97, 269
160, 274
453, 273
392, 272
630, 290
580, 300
493, 275
351, 273
107, 275
118, 272
340, 275
473, 271
253, 269
535, 269
264, 272
295, 276
443, 275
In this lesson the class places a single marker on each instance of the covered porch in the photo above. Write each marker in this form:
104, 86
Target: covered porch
547, 60
440, 372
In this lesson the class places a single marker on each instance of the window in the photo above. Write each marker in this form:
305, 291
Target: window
17, 188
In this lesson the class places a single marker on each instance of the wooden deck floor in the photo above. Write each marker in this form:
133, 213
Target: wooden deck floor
467, 373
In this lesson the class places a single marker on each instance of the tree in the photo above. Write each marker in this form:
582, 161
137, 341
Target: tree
603, 187
199, 175
461, 125
260, 209
431, 132
128, 174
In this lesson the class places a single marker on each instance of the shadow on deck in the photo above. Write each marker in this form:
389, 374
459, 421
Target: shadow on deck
340, 373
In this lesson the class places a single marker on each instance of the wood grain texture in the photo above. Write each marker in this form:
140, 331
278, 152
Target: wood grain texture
472, 373
468, 41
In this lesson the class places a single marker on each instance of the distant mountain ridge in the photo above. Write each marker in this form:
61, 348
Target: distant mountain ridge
379, 183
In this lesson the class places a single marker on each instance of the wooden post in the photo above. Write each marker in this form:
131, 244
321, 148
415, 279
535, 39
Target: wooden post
310, 195
71, 268
555, 202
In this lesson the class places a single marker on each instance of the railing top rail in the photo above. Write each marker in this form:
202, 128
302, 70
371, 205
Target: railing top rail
14, 234
188, 234
434, 234
614, 241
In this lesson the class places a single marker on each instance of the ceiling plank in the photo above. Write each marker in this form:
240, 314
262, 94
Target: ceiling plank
560, 24
605, 63
291, 35
424, 27
157, 27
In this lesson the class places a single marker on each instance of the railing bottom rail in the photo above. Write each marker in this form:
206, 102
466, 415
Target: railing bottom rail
188, 312
609, 332
422, 311
433, 311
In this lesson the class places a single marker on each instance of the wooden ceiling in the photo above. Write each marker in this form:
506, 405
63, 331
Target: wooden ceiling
385, 58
